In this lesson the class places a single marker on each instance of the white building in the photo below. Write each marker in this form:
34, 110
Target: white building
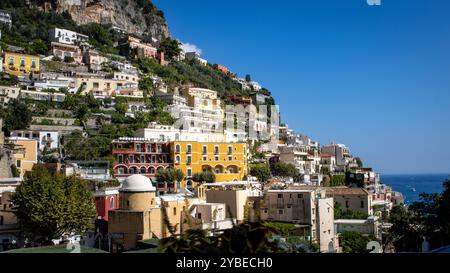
66, 36
49, 139
42, 96
256, 86
169, 133
125, 67
341, 153
5, 18
136, 106
211, 217
8, 93
196, 56
307, 207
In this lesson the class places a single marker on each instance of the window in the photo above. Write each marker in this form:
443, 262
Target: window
22, 62
151, 170
362, 204
189, 172
177, 159
216, 149
138, 148
159, 148
143, 170
111, 203
131, 159
178, 148
174, 211
205, 158
149, 148
216, 158
188, 159
189, 149
142, 158
33, 63
19, 163
299, 195
199, 215
346, 203
205, 149
120, 159
96, 85
11, 61
121, 170
313, 211
153, 158
280, 211
230, 158
280, 195
230, 149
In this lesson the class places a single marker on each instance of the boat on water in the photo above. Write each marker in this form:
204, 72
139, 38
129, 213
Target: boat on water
413, 189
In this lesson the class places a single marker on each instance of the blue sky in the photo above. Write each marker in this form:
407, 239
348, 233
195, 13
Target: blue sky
376, 78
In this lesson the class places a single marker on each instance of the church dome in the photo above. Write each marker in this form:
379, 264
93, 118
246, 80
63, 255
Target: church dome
137, 183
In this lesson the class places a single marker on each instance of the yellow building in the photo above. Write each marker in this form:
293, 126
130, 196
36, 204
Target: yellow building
228, 161
19, 64
25, 153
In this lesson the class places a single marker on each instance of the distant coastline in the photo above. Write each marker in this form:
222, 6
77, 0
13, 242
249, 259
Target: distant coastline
412, 185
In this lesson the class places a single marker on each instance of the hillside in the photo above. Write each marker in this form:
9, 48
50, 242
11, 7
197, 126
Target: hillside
135, 16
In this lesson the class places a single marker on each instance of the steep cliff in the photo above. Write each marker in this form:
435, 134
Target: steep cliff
135, 16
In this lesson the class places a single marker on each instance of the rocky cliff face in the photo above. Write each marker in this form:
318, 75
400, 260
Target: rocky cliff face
129, 15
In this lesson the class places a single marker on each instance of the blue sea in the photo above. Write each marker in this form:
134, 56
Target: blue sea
411, 185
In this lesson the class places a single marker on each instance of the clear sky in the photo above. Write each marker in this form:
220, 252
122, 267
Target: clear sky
376, 78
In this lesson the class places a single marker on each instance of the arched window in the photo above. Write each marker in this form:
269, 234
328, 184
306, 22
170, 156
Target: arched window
143, 170
178, 148
177, 159
151, 170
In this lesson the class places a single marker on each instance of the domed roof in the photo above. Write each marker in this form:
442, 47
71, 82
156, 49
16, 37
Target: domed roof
137, 183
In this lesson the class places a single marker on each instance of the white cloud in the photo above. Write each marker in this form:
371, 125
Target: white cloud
187, 47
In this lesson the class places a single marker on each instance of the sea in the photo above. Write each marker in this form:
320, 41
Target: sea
411, 185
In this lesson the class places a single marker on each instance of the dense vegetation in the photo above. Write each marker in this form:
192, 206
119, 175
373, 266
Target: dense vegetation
260, 171
15, 115
30, 26
340, 213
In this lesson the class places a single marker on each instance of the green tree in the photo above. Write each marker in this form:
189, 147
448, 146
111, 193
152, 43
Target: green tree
354, 242
405, 232
339, 213
285, 169
260, 171
50, 205
170, 47
17, 116
121, 108
359, 162
169, 176
69, 59
205, 176
244, 238
337, 180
